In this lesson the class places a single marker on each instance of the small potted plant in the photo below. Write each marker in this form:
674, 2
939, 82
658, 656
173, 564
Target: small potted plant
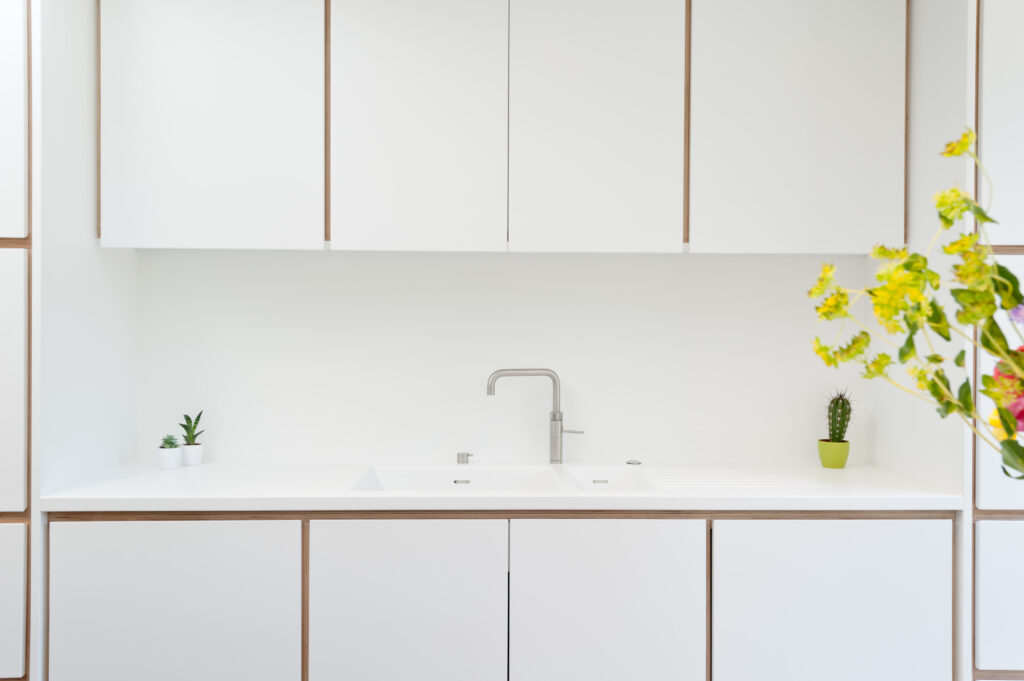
192, 447
834, 451
169, 454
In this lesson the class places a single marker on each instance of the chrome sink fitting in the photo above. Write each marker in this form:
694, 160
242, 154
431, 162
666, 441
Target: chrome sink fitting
556, 404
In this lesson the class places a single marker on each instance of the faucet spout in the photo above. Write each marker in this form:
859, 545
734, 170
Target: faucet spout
555, 424
556, 385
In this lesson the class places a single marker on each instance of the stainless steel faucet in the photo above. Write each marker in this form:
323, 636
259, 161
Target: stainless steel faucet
556, 429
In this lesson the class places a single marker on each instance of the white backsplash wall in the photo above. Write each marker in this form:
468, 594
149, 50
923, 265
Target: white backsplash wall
385, 357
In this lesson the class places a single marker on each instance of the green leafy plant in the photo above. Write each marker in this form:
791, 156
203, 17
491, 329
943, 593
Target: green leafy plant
839, 411
190, 428
169, 442
918, 333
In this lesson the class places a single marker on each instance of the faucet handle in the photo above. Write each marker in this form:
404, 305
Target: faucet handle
462, 457
573, 432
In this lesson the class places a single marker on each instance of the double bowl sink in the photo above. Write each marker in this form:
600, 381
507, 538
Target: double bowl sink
472, 478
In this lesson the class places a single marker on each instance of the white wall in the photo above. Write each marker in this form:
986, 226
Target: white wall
662, 358
86, 300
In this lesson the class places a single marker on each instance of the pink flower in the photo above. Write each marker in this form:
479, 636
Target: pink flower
1017, 409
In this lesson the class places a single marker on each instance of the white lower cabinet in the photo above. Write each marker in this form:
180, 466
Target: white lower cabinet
13, 545
999, 629
607, 600
423, 600
843, 600
170, 600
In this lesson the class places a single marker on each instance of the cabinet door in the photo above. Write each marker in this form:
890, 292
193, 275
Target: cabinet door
13, 118
212, 123
169, 600
13, 378
408, 599
844, 600
13, 582
999, 554
596, 125
797, 125
419, 110
607, 600
1000, 110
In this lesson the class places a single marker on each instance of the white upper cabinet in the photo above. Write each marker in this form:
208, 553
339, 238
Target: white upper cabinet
797, 124
212, 123
596, 125
13, 379
999, 554
13, 583
408, 599
204, 600
13, 118
843, 600
1001, 110
419, 106
608, 600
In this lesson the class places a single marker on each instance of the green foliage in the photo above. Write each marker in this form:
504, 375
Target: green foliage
914, 323
839, 411
169, 442
190, 427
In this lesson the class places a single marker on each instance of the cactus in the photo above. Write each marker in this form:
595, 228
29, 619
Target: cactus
839, 411
169, 442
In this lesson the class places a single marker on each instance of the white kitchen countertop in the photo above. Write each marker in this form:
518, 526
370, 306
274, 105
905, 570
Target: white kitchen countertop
312, 486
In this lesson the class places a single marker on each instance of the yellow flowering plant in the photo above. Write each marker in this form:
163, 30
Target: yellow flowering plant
918, 332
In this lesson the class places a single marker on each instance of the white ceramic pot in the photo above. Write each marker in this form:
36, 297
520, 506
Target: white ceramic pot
169, 457
193, 454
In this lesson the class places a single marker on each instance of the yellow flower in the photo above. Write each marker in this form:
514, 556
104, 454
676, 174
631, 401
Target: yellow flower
997, 426
961, 146
878, 366
835, 306
880, 252
951, 203
825, 281
855, 348
825, 352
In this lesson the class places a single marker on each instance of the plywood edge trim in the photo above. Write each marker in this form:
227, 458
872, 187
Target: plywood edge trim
305, 598
114, 516
24, 242
687, 80
998, 514
985, 674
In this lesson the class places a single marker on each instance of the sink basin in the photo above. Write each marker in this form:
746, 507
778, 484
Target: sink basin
609, 478
459, 479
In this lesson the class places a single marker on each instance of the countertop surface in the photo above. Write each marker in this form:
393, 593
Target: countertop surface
310, 486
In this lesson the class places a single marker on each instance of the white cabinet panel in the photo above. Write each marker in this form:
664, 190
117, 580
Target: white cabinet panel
999, 555
797, 125
212, 123
408, 599
607, 600
843, 600
13, 118
13, 378
13, 582
419, 110
596, 125
170, 600
1001, 109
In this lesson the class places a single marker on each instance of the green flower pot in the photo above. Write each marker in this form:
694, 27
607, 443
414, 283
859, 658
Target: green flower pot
833, 454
